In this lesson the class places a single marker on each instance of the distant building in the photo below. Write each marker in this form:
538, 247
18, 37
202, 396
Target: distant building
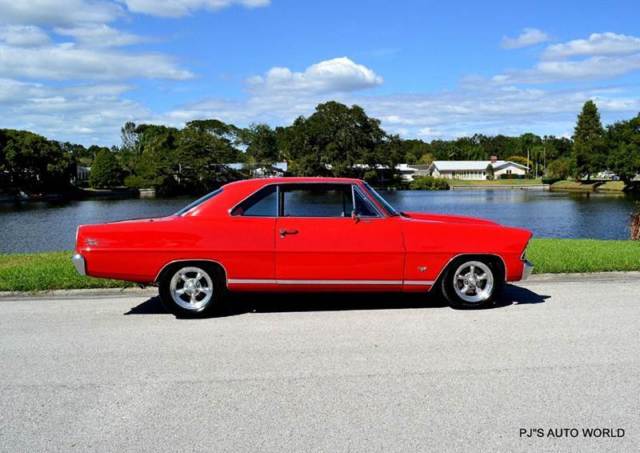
475, 169
410, 171
82, 174
261, 170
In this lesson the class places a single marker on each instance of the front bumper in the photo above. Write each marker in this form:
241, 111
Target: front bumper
79, 264
527, 269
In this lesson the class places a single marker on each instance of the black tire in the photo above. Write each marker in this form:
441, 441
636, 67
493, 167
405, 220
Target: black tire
211, 276
479, 289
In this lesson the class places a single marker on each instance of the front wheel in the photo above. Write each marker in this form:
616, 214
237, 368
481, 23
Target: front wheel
191, 289
472, 283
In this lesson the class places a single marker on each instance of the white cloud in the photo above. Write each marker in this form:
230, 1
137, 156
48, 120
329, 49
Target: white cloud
86, 113
482, 107
330, 76
57, 12
603, 56
172, 8
23, 35
528, 37
594, 68
67, 61
597, 44
99, 35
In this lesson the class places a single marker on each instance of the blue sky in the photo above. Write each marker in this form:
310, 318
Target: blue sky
77, 70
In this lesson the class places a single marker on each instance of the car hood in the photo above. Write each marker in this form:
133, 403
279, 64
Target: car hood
446, 218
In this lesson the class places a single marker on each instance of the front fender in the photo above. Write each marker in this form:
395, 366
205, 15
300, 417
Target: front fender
430, 246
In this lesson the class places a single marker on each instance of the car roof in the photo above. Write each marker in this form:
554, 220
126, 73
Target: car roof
258, 182
234, 192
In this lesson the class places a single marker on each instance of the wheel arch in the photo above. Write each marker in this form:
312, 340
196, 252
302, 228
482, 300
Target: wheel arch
495, 258
194, 261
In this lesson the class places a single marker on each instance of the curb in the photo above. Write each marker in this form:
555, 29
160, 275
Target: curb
581, 277
80, 293
152, 291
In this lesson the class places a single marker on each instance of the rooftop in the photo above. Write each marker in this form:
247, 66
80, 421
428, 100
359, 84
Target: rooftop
473, 165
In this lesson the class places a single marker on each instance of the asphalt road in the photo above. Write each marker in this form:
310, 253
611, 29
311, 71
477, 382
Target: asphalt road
324, 373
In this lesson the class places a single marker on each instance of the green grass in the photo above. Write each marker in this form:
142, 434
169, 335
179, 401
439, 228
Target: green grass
573, 186
53, 270
496, 182
577, 186
611, 186
583, 255
45, 271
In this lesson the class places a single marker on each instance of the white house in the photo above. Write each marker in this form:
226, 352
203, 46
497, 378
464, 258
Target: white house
261, 170
475, 169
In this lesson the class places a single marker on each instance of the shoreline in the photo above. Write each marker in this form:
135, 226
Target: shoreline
501, 187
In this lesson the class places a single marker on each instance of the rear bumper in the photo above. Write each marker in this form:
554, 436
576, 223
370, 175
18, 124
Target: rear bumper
79, 264
527, 269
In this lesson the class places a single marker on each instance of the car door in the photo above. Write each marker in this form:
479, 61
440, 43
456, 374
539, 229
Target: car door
318, 243
251, 260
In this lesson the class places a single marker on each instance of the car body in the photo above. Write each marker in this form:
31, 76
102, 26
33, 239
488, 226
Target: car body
293, 239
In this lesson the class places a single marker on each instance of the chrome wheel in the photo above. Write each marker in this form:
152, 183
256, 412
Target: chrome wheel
473, 282
191, 288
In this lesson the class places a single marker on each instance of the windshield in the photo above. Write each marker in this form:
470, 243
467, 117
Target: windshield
199, 201
385, 204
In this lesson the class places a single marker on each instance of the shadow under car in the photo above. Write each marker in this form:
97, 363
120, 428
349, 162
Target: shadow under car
240, 303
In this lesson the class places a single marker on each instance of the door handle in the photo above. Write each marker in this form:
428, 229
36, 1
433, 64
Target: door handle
284, 232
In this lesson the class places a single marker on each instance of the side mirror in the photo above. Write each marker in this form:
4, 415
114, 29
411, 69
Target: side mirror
354, 216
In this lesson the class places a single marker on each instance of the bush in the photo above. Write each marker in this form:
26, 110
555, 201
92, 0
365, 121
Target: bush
137, 182
512, 176
105, 171
550, 180
429, 183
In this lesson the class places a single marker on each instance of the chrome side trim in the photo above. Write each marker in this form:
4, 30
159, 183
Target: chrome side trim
250, 281
182, 260
79, 264
419, 282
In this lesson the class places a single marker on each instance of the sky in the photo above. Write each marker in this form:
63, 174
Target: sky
78, 70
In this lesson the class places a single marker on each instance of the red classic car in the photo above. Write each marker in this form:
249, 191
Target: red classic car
303, 234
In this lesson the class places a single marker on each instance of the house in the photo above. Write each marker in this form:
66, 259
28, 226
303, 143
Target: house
261, 170
476, 169
409, 171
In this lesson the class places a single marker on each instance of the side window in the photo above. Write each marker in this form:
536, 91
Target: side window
364, 208
316, 200
263, 203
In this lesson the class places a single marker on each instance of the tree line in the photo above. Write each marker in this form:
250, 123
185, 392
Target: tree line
335, 140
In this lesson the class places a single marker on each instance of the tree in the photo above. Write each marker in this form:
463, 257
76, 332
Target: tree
338, 140
522, 160
490, 172
201, 154
262, 144
426, 159
155, 163
588, 142
33, 163
413, 151
105, 170
560, 168
623, 141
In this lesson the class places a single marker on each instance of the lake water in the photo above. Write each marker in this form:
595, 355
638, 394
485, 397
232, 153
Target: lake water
34, 227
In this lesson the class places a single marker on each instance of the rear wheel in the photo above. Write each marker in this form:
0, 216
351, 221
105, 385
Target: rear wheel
471, 282
192, 289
